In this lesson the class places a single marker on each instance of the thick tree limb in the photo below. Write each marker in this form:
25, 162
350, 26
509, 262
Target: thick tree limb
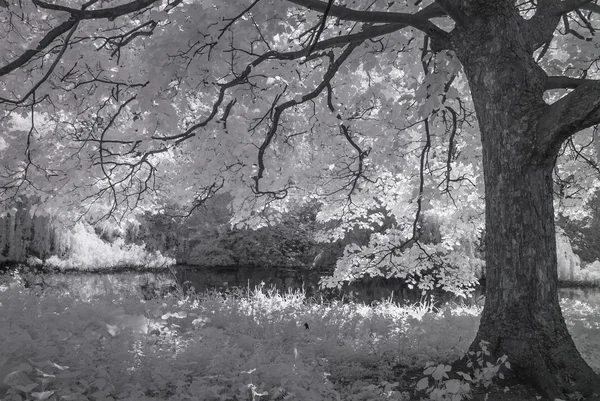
453, 11
109, 13
47, 74
45, 42
595, 8
572, 5
419, 20
560, 82
76, 15
370, 33
541, 26
345, 13
539, 29
577, 111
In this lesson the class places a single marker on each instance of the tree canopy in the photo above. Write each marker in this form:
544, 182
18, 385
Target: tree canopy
117, 106
379, 109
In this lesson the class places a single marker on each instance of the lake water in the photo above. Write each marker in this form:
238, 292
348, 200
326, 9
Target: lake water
588, 295
89, 285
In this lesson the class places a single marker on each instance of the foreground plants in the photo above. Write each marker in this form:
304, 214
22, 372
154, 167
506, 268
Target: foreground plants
442, 388
238, 346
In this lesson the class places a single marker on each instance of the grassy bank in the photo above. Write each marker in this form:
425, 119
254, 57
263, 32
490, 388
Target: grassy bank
261, 345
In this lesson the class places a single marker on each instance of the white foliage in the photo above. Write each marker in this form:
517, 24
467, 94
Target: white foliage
569, 264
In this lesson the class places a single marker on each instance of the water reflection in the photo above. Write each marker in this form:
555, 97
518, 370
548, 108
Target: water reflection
92, 285
588, 295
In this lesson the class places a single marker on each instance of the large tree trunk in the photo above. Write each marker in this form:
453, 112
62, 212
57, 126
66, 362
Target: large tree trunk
522, 316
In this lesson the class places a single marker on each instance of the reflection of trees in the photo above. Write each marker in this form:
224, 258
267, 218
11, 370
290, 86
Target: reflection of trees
585, 234
24, 234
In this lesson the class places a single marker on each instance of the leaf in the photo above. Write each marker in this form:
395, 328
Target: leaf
42, 395
25, 367
74, 397
60, 367
453, 386
67, 375
41, 373
440, 372
16, 377
112, 329
429, 370
465, 376
452, 93
100, 383
180, 314
27, 388
423, 383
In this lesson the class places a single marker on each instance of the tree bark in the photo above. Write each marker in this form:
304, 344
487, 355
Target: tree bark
522, 317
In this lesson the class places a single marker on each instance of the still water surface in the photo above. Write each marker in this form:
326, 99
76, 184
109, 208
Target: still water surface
90, 285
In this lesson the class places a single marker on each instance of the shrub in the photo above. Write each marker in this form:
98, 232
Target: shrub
88, 252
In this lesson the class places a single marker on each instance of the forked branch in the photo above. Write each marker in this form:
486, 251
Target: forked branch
75, 16
278, 111
575, 112
419, 20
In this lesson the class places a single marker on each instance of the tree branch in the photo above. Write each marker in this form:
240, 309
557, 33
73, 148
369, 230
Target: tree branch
237, 17
571, 5
370, 33
454, 12
595, 8
340, 41
420, 20
48, 73
541, 26
278, 111
560, 82
45, 42
110, 13
577, 111
76, 16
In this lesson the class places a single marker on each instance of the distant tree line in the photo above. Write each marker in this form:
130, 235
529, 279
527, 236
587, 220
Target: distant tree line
206, 238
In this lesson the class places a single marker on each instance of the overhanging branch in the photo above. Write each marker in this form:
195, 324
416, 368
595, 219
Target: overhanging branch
108, 13
76, 15
47, 74
278, 111
45, 42
345, 13
560, 82
540, 28
419, 20
572, 5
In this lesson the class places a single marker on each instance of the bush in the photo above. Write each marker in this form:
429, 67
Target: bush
88, 252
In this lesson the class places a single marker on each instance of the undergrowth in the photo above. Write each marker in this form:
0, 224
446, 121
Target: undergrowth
237, 345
